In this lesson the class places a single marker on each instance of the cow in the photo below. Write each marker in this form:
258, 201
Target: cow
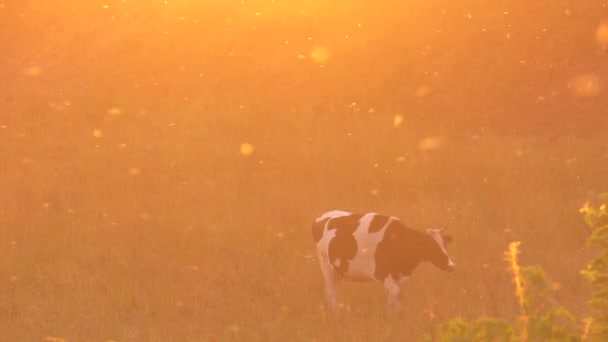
368, 247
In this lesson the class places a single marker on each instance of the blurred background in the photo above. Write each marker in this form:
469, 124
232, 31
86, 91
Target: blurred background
161, 162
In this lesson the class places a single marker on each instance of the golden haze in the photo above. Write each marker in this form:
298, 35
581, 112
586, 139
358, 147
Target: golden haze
162, 161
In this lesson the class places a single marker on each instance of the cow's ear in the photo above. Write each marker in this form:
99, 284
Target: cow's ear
447, 239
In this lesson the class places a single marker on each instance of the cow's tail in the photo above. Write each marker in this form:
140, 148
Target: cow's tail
317, 229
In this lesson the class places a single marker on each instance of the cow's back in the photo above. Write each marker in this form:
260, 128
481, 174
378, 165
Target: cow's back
369, 233
318, 227
349, 241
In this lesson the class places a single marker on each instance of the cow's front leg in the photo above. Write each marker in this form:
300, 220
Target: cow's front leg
394, 293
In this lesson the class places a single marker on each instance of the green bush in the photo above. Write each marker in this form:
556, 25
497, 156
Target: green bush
481, 329
540, 317
597, 269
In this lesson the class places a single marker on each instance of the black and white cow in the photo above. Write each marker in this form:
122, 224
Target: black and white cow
374, 247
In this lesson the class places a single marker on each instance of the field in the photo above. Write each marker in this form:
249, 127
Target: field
158, 179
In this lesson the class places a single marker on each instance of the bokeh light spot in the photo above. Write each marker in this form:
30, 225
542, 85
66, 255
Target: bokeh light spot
320, 54
430, 143
54, 339
134, 171
585, 85
114, 111
97, 133
246, 149
33, 71
422, 91
601, 34
397, 120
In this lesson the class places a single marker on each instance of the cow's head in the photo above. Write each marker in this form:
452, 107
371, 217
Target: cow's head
437, 253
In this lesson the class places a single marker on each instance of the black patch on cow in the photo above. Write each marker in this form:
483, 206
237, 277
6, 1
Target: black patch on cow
400, 251
317, 229
377, 223
343, 246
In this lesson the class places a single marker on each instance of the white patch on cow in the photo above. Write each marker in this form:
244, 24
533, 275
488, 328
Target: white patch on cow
333, 214
330, 275
323, 244
363, 265
436, 234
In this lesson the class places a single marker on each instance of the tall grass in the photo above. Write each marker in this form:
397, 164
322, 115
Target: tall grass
92, 251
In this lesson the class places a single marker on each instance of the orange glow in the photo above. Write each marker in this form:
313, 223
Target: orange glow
161, 160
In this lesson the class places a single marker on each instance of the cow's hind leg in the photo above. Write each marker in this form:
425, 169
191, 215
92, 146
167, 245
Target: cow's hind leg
394, 293
331, 283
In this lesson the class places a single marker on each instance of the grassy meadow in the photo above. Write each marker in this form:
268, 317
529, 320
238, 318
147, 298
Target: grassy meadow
161, 164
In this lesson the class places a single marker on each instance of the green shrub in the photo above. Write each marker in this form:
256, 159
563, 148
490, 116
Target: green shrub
597, 270
481, 329
541, 318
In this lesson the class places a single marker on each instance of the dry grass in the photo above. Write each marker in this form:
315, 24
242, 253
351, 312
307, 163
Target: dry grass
105, 254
